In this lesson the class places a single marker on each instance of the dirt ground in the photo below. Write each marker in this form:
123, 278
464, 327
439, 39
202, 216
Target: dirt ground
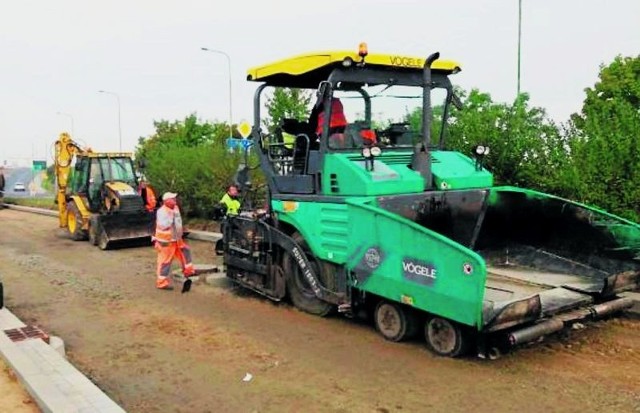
13, 398
159, 351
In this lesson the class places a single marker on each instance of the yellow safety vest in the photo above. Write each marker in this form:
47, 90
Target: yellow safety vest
233, 205
288, 140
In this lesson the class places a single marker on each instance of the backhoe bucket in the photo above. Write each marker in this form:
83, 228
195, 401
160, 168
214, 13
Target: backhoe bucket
120, 230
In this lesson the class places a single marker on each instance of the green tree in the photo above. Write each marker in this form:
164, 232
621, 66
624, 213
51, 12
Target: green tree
526, 147
189, 132
189, 157
605, 149
287, 103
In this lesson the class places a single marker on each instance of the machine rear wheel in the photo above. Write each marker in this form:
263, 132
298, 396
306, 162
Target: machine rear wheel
299, 289
74, 222
395, 322
446, 338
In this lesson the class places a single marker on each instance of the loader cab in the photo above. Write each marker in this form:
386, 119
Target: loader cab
384, 99
92, 171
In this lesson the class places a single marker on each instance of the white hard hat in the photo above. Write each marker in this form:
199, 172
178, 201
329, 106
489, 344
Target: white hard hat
168, 195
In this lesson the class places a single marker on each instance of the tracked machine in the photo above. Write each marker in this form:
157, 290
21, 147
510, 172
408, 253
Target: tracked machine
97, 196
378, 217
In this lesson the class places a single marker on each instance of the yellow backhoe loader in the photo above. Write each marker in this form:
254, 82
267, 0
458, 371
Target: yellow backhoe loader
97, 196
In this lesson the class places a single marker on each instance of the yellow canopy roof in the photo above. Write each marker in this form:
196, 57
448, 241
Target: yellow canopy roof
307, 70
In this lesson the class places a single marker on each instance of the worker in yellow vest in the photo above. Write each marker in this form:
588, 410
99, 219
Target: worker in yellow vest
230, 201
170, 245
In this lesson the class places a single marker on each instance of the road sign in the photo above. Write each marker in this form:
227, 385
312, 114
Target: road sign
246, 143
245, 129
39, 165
233, 143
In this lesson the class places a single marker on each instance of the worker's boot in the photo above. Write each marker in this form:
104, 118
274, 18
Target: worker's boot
163, 283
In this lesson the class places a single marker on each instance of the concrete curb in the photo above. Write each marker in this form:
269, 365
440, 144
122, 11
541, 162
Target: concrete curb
33, 210
204, 235
54, 383
192, 234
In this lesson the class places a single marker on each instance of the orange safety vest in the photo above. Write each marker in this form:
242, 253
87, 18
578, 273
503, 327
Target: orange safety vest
368, 136
337, 116
150, 201
168, 224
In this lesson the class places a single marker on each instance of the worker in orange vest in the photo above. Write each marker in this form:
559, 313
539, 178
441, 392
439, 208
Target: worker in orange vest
148, 196
170, 245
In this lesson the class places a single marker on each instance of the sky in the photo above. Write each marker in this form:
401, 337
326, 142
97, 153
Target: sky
57, 55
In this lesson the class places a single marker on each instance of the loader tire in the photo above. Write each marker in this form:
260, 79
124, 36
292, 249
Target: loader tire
94, 229
103, 239
301, 294
74, 222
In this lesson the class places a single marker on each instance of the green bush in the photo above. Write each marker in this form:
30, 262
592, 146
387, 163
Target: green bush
191, 158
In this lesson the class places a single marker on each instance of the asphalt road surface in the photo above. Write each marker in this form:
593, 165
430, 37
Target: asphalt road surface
160, 351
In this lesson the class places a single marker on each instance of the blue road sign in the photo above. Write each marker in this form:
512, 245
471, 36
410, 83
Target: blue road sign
233, 143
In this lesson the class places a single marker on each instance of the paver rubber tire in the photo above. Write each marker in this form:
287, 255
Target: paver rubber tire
394, 321
300, 292
447, 338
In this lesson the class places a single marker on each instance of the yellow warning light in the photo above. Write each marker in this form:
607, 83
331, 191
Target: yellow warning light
363, 50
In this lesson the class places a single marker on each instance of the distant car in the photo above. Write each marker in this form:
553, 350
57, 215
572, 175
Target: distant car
19, 187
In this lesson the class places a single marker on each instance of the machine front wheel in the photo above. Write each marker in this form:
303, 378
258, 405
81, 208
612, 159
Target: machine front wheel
102, 238
299, 289
94, 228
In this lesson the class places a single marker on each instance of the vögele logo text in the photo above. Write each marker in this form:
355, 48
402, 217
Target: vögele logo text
406, 61
419, 271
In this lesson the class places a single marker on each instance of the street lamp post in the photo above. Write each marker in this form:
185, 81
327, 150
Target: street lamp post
230, 92
519, 36
73, 131
119, 114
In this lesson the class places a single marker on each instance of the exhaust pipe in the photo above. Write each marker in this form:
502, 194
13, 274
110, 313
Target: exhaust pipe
557, 323
421, 160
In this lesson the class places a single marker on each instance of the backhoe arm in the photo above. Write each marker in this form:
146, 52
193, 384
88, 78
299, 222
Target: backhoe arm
65, 150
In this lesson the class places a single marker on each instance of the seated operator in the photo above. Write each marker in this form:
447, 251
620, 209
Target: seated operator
337, 122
